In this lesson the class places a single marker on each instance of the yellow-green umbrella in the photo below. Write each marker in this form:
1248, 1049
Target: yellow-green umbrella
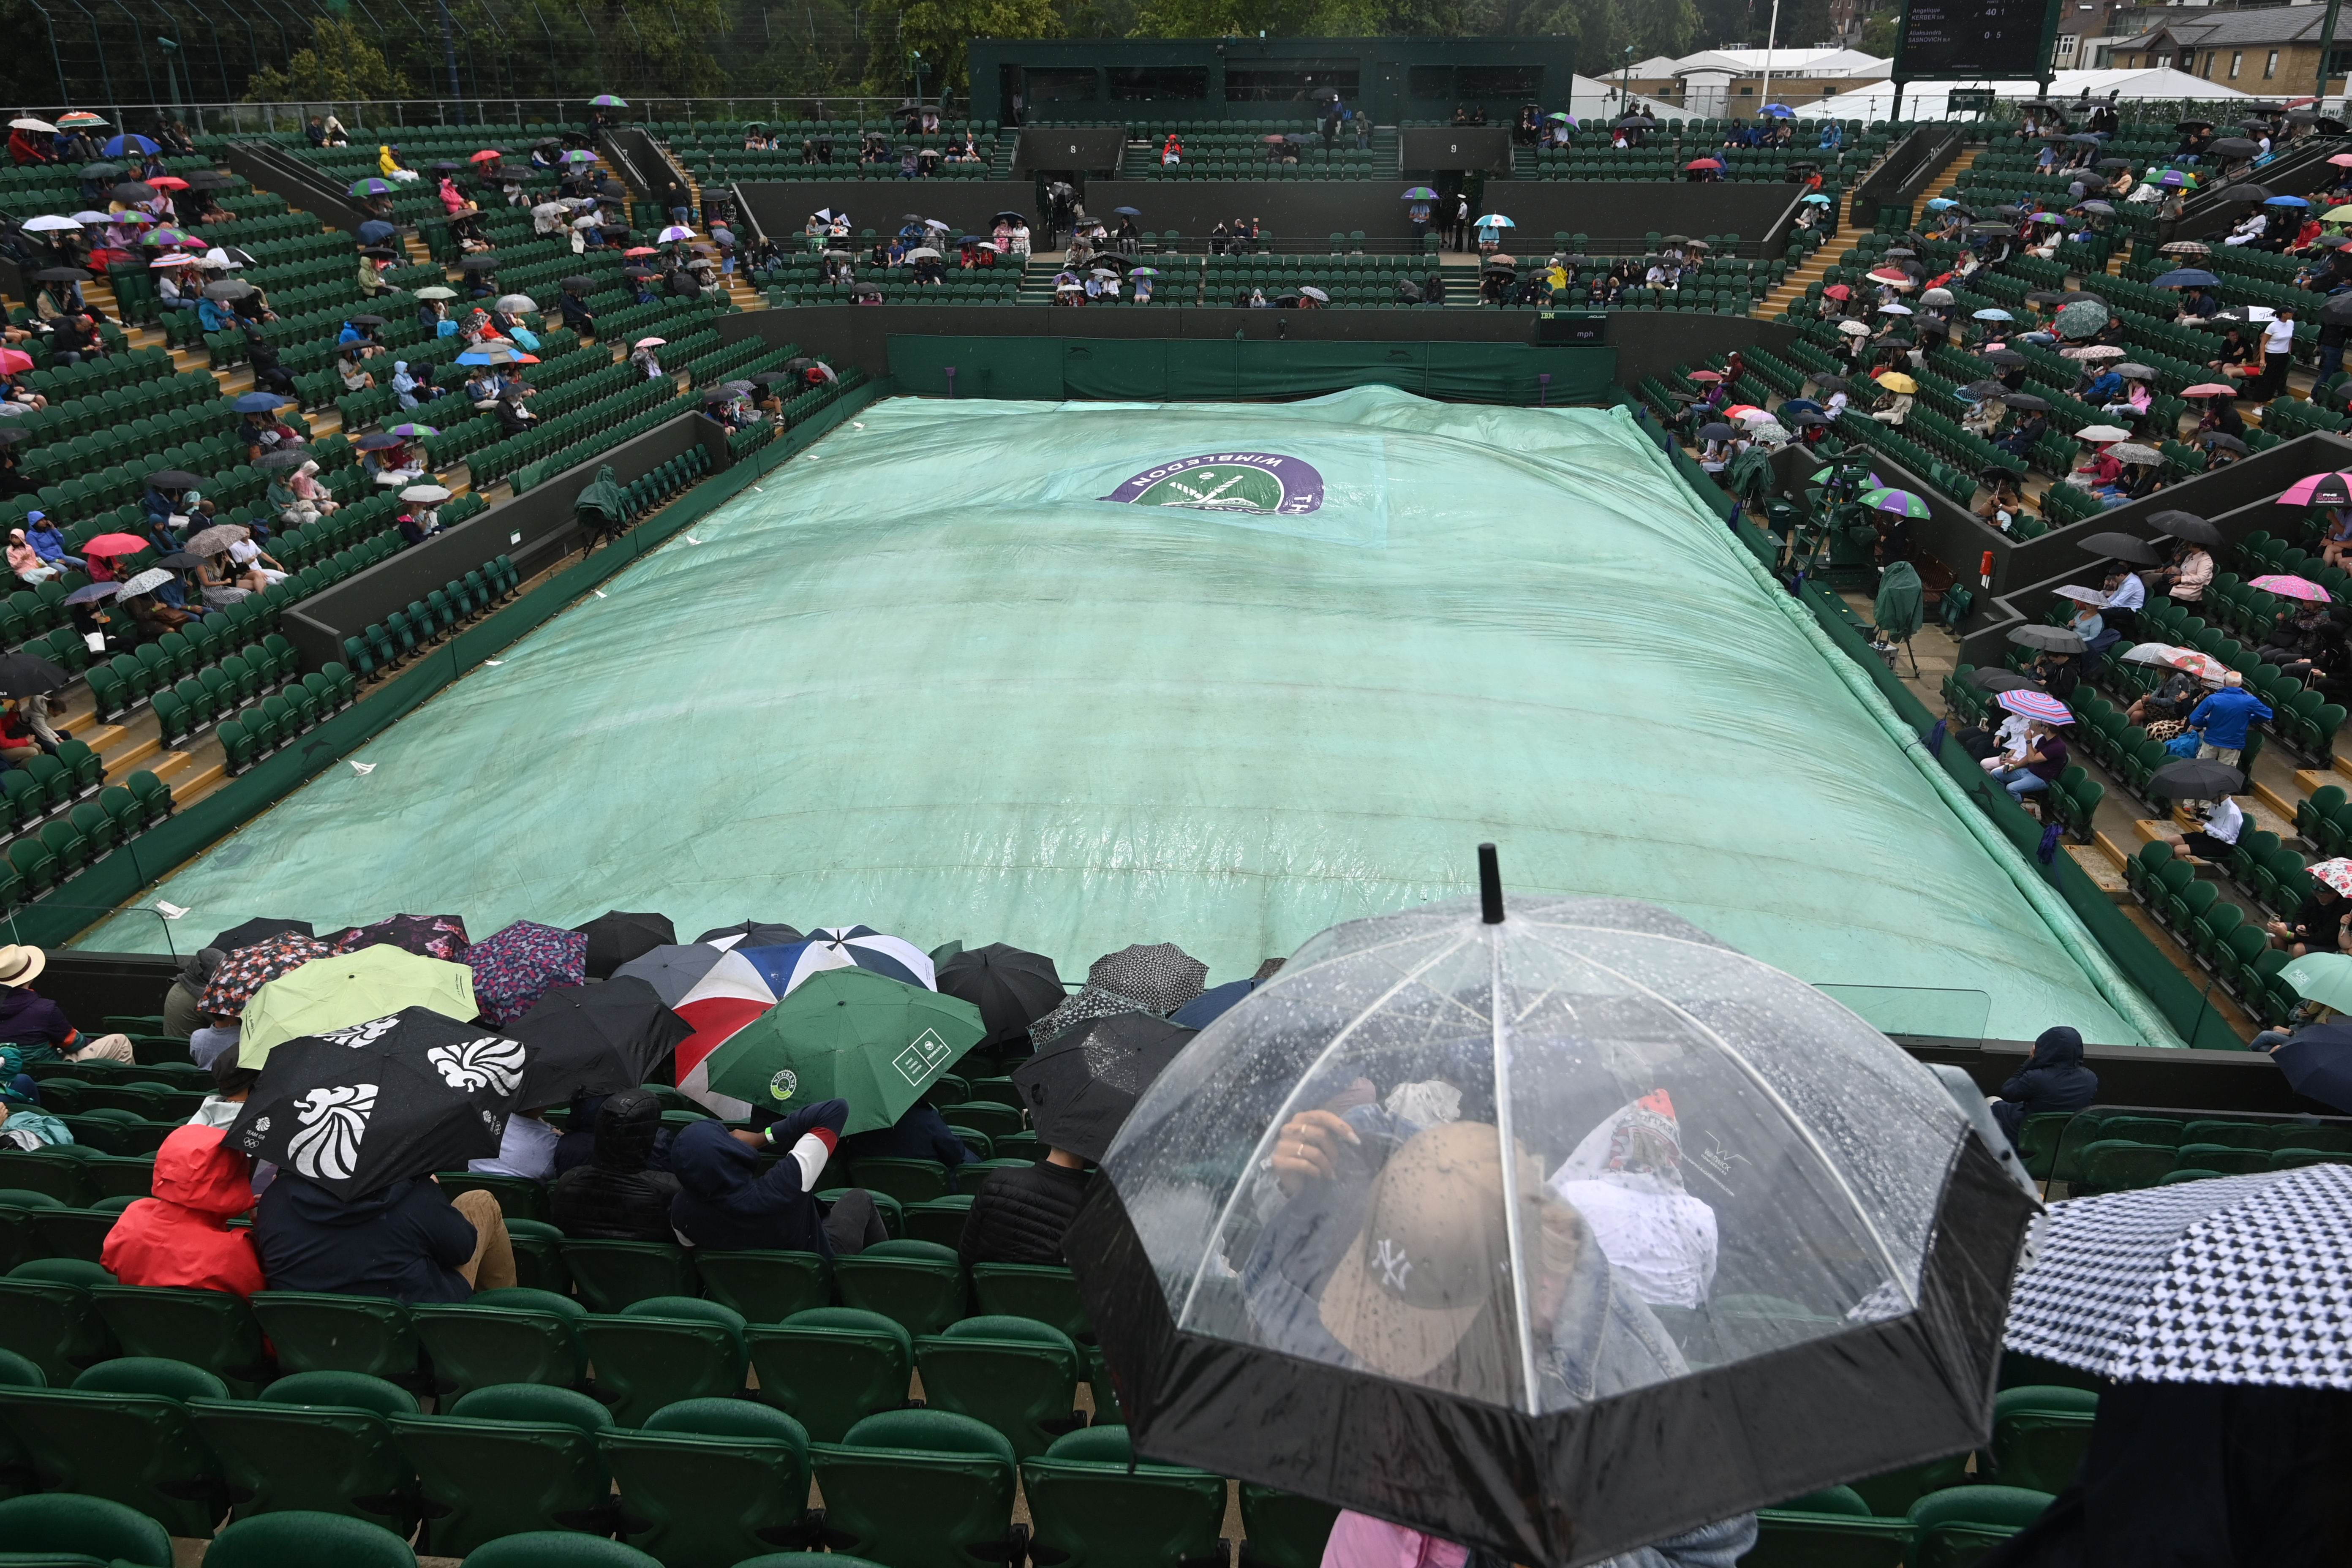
351, 988
2337, 215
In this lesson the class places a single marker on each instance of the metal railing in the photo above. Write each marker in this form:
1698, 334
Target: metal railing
395, 113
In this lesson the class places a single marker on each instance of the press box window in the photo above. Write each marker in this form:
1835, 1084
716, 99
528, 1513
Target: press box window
1061, 86
1300, 83
1155, 84
1500, 81
1432, 82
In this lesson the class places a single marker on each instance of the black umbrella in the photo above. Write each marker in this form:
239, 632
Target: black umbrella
259, 929
2006, 358
2227, 443
1012, 989
2233, 147
2050, 639
1080, 1089
754, 933
2337, 312
210, 180
2317, 1062
2246, 195
135, 191
2026, 401
181, 561
176, 480
478, 263
101, 171
1995, 474
2121, 547
617, 936
23, 675
1717, 431
1993, 679
62, 275
1986, 388
358, 1109
595, 1040
284, 459
2043, 297
379, 441
2186, 525
2194, 779
365, 320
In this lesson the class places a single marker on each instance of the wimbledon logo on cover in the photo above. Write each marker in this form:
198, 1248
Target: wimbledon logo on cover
1261, 482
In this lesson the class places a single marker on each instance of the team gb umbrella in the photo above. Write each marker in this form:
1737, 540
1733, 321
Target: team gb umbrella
1616, 1190
356, 1109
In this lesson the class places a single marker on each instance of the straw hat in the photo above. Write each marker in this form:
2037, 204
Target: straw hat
21, 966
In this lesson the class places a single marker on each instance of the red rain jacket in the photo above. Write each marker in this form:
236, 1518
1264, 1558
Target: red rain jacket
181, 1235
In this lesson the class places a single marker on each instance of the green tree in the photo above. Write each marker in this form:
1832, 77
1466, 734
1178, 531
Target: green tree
1879, 33
942, 29
336, 64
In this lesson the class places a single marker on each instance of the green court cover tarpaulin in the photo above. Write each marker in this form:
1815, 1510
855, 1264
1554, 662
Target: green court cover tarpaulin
1071, 676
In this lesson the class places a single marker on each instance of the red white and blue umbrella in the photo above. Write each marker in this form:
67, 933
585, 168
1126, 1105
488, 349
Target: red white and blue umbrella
2036, 705
838, 947
717, 992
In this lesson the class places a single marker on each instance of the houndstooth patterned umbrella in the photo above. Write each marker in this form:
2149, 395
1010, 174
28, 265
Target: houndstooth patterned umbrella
2239, 1279
1159, 978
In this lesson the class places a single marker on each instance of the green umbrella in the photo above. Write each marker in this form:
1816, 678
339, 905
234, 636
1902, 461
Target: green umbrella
848, 1034
2322, 977
351, 988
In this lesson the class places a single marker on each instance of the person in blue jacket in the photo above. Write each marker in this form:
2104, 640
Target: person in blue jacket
728, 1204
2223, 720
921, 1134
2054, 1079
408, 1241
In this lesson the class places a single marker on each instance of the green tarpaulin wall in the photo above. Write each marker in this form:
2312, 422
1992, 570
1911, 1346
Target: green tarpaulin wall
1075, 675
1148, 370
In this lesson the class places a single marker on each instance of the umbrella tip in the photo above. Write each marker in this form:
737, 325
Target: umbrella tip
1490, 886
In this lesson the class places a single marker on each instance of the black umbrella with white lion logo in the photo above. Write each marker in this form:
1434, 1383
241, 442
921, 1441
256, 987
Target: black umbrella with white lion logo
356, 1109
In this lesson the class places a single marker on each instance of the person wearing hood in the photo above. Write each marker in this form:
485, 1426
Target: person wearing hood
182, 1017
180, 1237
231, 1084
409, 1241
921, 1134
2054, 1079
726, 1203
618, 1196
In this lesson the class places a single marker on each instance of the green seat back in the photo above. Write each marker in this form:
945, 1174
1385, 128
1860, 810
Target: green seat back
1032, 1290
1797, 1538
830, 1367
156, 1375
712, 1480
317, 1332
559, 1549
2039, 1435
484, 1478
474, 1348
332, 1458
918, 1489
686, 1307
63, 1522
644, 1362
351, 1389
300, 1538
1087, 1501
609, 1275
766, 1287
918, 1284
1018, 1375
52, 1324
209, 1329
1284, 1530
136, 1448
1959, 1524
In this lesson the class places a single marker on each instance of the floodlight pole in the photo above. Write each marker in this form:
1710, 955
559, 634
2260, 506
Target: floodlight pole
1771, 37
2326, 46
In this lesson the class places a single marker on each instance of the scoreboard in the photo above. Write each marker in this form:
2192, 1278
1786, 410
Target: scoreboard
1973, 40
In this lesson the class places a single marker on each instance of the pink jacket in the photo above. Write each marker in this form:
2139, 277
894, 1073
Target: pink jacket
1360, 1541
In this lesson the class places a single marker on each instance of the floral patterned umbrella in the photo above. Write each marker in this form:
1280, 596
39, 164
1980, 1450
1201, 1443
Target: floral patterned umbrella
2336, 873
514, 968
248, 969
432, 936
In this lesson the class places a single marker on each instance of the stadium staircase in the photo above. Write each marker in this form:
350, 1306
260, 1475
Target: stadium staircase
1810, 272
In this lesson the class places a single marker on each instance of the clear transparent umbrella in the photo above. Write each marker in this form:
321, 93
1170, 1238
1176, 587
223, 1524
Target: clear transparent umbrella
1556, 1234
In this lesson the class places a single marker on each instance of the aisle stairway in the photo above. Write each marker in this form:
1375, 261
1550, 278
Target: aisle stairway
1794, 287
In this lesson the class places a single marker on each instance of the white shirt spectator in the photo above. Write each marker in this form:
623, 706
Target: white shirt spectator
2278, 336
2129, 594
2224, 821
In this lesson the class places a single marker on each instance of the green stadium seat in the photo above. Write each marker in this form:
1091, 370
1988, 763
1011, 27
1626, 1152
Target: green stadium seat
908, 1180
301, 1539
831, 1367
664, 1350
918, 1284
712, 1480
46, 1316
1959, 1524
919, 1489
1092, 1506
560, 1549
766, 1287
318, 1331
211, 1328
318, 1441
1283, 1529
66, 1528
1827, 1529
1050, 1295
502, 1338
609, 1275
507, 1459
1017, 1374
2039, 1435
122, 1433
940, 1221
